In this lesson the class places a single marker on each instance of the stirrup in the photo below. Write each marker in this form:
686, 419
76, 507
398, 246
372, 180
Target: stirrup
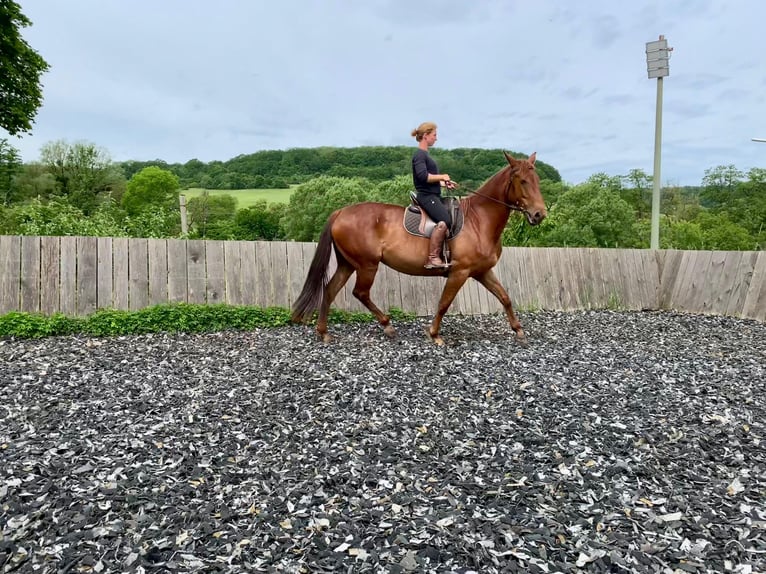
430, 265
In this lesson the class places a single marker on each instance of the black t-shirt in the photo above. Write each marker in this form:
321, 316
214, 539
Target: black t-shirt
422, 165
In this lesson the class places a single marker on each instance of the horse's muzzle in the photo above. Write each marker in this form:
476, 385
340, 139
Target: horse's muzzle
536, 216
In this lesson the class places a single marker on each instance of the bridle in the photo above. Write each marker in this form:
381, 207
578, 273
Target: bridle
511, 206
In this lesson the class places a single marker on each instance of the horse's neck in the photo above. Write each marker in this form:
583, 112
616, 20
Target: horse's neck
487, 207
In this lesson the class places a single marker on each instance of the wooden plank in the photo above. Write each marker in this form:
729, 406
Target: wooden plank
247, 265
632, 285
104, 283
586, 278
50, 269
742, 282
232, 258
700, 281
296, 271
671, 267
649, 270
178, 279
754, 306
195, 266
569, 272
262, 285
157, 250
680, 293
10, 273
138, 274
280, 279
30, 274
120, 275
216, 280
68, 276
527, 279
87, 279
707, 301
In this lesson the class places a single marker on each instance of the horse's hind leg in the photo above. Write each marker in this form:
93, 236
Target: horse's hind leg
337, 282
493, 285
364, 279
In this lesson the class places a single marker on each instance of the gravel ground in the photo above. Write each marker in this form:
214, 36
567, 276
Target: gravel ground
616, 442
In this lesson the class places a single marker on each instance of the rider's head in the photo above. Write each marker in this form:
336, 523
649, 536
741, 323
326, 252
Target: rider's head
423, 129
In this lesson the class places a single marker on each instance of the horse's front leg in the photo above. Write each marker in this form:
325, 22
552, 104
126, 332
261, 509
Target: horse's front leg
455, 281
493, 285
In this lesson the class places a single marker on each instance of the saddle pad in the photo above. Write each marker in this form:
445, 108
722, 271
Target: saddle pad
412, 219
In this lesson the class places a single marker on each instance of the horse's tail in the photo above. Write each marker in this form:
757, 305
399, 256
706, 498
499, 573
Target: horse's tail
317, 279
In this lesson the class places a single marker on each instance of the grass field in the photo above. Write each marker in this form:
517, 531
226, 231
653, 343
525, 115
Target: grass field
245, 197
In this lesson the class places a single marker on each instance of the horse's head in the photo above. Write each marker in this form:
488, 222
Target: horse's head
524, 189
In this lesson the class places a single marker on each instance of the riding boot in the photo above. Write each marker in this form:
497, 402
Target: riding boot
435, 247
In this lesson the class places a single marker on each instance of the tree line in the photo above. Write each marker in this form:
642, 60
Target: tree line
270, 169
76, 189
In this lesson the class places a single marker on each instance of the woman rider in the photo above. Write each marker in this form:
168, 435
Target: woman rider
428, 183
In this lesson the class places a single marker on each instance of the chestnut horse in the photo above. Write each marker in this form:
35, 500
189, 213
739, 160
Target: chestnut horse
364, 235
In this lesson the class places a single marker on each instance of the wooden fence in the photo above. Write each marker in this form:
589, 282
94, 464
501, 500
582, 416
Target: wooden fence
78, 275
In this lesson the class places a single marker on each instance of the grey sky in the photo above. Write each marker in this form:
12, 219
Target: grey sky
183, 79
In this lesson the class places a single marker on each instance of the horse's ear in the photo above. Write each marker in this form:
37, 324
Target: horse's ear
509, 158
532, 158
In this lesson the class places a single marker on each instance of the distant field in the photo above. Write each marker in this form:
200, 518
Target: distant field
245, 197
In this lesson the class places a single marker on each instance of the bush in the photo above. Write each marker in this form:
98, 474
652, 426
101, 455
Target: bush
183, 317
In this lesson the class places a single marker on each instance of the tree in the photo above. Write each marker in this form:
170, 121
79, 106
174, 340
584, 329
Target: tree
638, 191
20, 71
312, 203
10, 166
84, 173
212, 216
718, 185
260, 221
591, 214
151, 188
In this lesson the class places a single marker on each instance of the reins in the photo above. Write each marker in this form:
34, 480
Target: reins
510, 206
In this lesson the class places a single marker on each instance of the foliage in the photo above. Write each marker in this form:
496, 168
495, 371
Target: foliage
212, 216
395, 191
720, 233
84, 173
151, 188
312, 203
278, 168
153, 222
262, 221
591, 214
33, 181
183, 317
10, 166
59, 217
20, 71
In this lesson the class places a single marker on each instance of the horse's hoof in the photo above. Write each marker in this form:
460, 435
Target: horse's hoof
437, 339
389, 331
521, 339
324, 337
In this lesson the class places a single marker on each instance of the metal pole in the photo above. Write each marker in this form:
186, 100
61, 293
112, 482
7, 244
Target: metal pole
655, 240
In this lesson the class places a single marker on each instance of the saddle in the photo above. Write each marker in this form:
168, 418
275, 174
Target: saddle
417, 222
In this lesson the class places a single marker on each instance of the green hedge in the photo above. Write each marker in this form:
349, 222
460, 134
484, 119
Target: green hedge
178, 318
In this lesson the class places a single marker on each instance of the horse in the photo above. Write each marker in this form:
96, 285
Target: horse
364, 235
